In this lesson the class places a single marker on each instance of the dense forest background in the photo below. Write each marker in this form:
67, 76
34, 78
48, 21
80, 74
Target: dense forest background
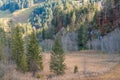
84, 20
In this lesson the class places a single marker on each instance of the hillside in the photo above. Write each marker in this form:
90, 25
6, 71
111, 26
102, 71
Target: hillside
19, 16
17, 4
74, 18
22, 16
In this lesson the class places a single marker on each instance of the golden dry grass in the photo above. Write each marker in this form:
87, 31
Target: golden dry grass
106, 66
101, 64
114, 74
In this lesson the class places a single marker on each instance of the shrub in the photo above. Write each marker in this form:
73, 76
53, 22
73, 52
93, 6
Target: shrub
75, 69
38, 76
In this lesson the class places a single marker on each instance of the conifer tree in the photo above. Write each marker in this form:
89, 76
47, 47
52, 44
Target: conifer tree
57, 58
73, 19
34, 53
82, 37
43, 34
18, 49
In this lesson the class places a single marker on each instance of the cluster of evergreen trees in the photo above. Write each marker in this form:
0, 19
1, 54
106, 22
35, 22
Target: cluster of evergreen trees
60, 14
28, 56
31, 59
41, 16
26, 52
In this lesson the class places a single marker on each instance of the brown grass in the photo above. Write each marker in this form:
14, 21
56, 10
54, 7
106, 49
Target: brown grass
114, 74
98, 67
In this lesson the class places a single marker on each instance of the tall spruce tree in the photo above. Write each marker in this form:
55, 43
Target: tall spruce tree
34, 53
82, 36
43, 34
57, 58
18, 49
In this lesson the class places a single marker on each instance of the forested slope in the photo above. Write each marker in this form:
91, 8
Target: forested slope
82, 20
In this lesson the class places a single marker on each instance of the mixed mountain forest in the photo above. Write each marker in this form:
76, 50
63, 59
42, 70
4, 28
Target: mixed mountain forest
59, 39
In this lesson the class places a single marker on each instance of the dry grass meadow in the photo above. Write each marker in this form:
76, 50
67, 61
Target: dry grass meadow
92, 65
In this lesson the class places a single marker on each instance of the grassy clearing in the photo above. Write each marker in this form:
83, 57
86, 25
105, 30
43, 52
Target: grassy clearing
5, 14
114, 74
19, 16
98, 67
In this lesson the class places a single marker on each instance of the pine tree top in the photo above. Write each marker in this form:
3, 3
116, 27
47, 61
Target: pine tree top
57, 47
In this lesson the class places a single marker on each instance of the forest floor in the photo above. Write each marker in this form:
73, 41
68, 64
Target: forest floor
92, 65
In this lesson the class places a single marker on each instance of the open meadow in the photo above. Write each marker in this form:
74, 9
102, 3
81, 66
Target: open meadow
92, 65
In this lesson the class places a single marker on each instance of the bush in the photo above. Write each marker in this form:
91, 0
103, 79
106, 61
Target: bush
38, 76
75, 69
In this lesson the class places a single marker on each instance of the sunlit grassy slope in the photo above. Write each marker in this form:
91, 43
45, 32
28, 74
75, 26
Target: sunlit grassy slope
19, 16
4, 14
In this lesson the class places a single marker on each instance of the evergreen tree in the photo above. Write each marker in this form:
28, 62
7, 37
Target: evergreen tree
57, 58
18, 49
34, 53
85, 33
82, 37
43, 34
73, 19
